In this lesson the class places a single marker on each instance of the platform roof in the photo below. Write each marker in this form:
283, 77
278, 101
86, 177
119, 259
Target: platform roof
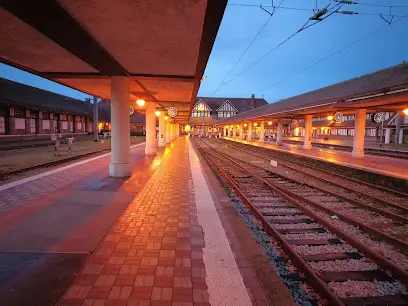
384, 90
163, 46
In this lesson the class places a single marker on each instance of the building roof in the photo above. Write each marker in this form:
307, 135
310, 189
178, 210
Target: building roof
241, 104
382, 81
17, 94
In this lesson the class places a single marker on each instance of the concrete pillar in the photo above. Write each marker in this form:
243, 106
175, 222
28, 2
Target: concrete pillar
279, 134
168, 131
162, 131
241, 131
234, 131
120, 157
401, 136
171, 131
151, 143
398, 120
387, 136
178, 129
249, 137
262, 132
225, 131
359, 133
95, 118
307, 143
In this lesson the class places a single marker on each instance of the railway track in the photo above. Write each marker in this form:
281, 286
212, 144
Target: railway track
4, 175
370, 151
340, 268
376, 193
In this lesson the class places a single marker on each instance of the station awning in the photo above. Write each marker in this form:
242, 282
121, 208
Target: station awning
163, 46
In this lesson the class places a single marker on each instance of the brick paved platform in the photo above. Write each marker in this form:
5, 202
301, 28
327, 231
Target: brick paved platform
393, 167
167, 248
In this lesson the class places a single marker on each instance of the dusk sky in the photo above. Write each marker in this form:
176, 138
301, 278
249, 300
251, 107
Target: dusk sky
269, 77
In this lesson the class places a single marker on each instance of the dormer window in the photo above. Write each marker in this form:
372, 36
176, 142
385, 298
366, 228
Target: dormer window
226, 110
201, 109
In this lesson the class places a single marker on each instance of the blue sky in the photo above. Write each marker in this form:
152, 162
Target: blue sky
240, 24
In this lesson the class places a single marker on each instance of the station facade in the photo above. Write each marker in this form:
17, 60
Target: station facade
208, 112
32, 112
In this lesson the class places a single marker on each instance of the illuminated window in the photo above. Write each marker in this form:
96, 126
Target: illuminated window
201, 110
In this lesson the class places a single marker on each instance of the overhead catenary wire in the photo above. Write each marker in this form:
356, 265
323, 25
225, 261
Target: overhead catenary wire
250, 44
328, 56
330, 11
311, 10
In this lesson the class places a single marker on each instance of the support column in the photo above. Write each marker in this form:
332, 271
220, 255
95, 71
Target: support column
234, 131
151, 143
177, 129
171, 131
359, 133
262, 132
95, 119
307, 143
168, 131
387, 136
249, 137
241, 132
279, 134
162, 131
120, 142
225, 131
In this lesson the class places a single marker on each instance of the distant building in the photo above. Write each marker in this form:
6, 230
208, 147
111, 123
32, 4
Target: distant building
207, 111
33, 112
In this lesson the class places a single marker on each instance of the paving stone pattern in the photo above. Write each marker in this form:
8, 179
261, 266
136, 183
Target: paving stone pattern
17, 196
153, 255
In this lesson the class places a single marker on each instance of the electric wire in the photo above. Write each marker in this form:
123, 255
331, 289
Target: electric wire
248, 47
305, 26
328, 56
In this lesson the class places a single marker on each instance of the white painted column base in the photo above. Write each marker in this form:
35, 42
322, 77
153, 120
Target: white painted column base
358, 154
120, 170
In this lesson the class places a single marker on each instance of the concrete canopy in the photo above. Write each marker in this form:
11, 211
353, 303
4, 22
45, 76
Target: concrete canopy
162, 46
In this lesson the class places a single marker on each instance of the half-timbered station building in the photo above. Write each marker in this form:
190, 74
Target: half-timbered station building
208, 111
28, 112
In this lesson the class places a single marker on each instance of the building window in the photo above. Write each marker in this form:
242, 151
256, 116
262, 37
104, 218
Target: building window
19, 112
64, 117
32, 126
46, 115
226, 114
2, 125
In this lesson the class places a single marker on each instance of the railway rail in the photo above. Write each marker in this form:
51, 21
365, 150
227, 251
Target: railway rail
4, 175
370, 151
376, 192
340, 268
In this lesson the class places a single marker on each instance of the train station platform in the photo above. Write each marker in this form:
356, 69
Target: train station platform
388, 166
168, 235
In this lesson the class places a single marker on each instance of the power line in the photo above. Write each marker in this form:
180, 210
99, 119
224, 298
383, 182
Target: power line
367, 4
249, 46
328, 56
311, 10
305, 26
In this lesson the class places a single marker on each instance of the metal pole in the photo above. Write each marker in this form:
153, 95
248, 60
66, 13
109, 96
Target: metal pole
95, 118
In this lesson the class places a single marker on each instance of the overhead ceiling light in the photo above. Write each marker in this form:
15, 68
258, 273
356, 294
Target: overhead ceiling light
157, 113
255, 124
140, 102
330, 118
270, 123
245, 124
166, 117
405, 111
